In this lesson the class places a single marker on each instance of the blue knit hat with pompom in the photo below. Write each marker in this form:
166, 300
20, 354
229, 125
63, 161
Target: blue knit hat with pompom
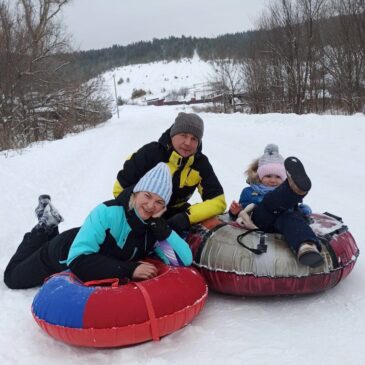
157, 180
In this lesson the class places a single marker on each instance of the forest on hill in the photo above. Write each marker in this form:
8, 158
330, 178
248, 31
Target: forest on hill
306, 56
87, 64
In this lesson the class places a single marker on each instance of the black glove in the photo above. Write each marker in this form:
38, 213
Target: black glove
159, 228
179, 223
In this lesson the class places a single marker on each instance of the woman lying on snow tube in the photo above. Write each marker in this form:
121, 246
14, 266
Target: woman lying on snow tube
270, 205
111, 243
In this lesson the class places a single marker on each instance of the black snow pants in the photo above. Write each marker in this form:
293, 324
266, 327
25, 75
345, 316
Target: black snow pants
277, 213
37, 257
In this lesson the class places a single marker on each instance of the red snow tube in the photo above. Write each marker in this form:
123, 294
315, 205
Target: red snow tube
95, 315
241, 269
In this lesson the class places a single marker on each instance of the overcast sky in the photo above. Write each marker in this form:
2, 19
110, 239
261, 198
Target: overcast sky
101, 23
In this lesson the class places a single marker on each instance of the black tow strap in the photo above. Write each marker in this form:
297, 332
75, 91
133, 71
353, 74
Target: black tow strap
261, 247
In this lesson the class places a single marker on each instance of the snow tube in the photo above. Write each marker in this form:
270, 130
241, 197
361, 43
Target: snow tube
95, 315
263, 264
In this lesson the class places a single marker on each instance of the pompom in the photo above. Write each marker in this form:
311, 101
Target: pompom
271, 149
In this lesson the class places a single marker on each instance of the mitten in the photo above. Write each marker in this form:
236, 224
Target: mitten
305, 209
160, 228
235, 208
179, 223
244, 217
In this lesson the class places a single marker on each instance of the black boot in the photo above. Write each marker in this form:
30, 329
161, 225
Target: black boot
298, 180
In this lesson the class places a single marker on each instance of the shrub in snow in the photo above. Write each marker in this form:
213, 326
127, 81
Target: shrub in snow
137, 93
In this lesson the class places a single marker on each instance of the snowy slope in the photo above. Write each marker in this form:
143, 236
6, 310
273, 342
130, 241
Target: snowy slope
159, 79
79, 172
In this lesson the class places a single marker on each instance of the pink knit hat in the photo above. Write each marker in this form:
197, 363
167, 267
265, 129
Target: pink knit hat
271, 163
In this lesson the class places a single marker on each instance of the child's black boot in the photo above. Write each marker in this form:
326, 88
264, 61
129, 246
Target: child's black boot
298, 180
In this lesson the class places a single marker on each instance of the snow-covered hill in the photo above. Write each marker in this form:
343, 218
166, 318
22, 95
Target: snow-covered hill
173, 80
79, 171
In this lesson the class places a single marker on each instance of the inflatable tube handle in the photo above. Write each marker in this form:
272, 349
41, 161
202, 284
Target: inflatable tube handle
150, 310
333, 216
113, 282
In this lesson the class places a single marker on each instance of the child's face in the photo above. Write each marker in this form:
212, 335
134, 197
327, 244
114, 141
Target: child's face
271, 180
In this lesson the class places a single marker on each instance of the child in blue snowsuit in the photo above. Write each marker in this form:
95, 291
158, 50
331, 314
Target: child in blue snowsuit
273, 203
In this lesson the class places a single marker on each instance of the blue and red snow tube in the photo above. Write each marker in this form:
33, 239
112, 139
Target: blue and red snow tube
105, 314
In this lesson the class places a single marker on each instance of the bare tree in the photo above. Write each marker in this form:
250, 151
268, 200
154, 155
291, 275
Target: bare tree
255, 71
344, 53
36, 102
310, 57
311, 12
227, 80
290, 38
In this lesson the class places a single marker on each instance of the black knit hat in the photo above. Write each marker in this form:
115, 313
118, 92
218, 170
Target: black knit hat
188, 123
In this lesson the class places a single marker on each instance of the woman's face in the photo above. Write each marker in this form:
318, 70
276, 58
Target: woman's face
148, 204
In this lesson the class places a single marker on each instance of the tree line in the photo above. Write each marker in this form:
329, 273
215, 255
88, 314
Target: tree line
89, 63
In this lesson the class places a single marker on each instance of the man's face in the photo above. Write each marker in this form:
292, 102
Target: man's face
185, 144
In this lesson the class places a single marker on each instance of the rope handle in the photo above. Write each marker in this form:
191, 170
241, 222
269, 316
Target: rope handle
150, 310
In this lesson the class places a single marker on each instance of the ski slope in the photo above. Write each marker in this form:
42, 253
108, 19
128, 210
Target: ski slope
79, 172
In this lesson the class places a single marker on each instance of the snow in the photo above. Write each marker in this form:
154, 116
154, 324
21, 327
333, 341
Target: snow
79, 172
161, 78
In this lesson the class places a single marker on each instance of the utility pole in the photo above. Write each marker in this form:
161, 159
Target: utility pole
116, 96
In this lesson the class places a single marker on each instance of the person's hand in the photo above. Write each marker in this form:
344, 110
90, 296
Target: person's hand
235, 208
244, 217
159, 227
144, 271
179, 223
160, 213
305, 209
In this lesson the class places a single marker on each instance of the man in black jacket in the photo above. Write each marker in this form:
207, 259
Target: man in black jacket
180, 148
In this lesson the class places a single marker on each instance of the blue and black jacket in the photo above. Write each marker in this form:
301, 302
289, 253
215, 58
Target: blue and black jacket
113, 239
